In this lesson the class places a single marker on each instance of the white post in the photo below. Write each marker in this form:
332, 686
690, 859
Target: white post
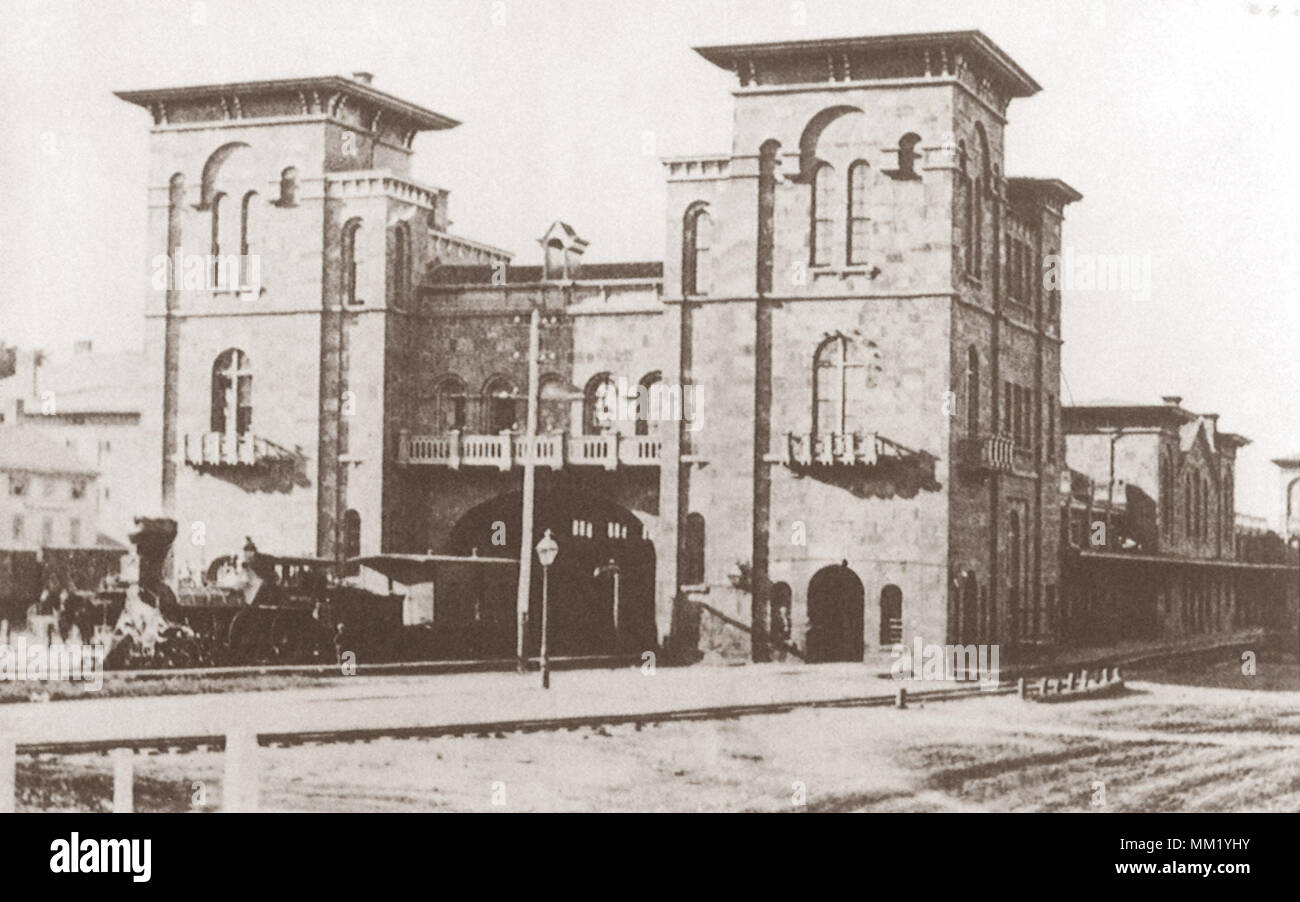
239, 789
530, 481
123, 781
8, 782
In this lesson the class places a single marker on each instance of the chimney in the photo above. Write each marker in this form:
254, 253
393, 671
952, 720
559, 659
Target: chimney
364, 77
1172, 400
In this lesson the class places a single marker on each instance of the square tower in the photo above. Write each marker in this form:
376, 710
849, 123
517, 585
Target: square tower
857, 291
284, 238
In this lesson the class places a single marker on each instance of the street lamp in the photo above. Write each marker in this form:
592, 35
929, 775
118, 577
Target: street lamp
611, 568
547, 549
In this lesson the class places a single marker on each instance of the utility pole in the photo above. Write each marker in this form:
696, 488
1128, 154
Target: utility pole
530, 486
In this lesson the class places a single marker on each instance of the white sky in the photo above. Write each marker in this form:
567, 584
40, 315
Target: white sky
1178, 121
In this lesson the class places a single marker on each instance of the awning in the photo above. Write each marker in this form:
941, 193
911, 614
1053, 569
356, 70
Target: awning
410, 569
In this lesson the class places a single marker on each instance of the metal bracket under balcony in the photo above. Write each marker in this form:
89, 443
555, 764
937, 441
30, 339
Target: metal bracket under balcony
508, 450
211, 450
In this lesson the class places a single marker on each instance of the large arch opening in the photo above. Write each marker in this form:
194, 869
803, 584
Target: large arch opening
835, 615
602, 546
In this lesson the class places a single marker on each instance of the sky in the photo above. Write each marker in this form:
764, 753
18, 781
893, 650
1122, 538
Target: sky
1176, 119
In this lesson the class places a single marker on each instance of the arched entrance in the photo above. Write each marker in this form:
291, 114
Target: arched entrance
591, 531
835, 615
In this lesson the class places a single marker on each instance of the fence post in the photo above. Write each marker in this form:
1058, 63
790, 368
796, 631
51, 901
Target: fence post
1069, 680
1083, 679
1115, 676
239, 788
1020, 687
900, 698
8, 779
123, 781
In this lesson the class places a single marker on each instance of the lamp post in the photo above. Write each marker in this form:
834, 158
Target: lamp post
611, 568
547, 549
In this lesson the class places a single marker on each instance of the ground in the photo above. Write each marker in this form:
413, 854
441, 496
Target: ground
1177, 740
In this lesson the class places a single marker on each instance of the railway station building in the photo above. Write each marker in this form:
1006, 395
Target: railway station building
855, 433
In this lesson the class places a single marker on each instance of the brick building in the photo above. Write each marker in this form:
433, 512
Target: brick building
861, 439
1154, 550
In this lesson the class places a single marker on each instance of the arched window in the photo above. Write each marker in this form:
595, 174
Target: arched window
836, 397
823, 215
977, 229
859, 222
972, 392
907, 156
1228, 511
697, 252
500, 406
600, 405
693, 550
232, 393
645, 408
289, 187
1187, 507
351, 534
350, 266
449, 405
248, 238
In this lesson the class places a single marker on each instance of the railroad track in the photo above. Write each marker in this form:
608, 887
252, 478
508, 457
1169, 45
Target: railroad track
217, 742
640, 719
411, 668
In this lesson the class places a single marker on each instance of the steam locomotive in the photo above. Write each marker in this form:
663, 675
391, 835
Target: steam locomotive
257, 608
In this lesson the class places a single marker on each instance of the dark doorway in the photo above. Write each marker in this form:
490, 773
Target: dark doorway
835, 615
591, 531
891, 615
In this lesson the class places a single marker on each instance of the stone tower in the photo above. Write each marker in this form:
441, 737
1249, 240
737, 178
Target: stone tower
284, 237
858, 287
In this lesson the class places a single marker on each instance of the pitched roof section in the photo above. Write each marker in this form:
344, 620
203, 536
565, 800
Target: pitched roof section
27, 448
872, 57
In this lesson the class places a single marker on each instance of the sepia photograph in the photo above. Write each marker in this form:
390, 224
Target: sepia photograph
623, 407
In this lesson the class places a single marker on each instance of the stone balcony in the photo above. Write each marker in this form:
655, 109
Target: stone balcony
508, 450
996, 453
218, 449
841, 449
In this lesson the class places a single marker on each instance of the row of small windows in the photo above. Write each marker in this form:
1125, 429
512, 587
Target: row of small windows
1198, 495
20, 487
1017, 409
19, 533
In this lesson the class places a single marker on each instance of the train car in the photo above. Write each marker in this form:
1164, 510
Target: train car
452, 607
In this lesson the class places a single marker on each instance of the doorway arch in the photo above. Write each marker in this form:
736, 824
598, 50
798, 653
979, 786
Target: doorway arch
835, 615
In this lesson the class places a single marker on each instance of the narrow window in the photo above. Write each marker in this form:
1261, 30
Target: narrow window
599, 405
351, 534
248, 229
401, 264
289, 187
859, 222
702, 253
823, 212
500, 406
693, 550
217, 203
972, 391
977, 237
907, 156
74, 532
350, 262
